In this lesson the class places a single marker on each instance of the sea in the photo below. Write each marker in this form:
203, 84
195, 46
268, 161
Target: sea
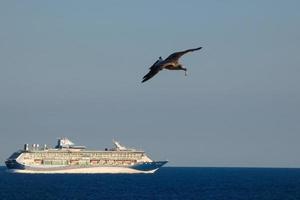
203, 183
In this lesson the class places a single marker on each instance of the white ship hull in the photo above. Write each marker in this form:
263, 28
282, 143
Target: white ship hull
94, 170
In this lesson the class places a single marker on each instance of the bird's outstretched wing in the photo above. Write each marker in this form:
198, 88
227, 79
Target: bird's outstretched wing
153, 66
175, 56
154, 69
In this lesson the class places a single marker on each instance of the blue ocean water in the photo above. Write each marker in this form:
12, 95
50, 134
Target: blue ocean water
168, 183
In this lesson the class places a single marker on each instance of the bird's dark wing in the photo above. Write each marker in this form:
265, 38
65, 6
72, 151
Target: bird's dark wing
154, 69
175, 56
153, 66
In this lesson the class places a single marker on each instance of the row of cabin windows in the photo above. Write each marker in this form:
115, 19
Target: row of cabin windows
104, 155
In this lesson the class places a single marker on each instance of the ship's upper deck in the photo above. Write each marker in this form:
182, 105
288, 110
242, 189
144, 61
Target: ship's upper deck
66, 145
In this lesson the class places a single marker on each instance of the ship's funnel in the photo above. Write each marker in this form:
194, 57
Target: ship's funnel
64, 142
119, 146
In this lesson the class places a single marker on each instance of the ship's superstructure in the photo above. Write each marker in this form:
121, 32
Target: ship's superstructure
66, 157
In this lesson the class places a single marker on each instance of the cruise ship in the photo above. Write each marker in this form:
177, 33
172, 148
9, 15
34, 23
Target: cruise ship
66, 157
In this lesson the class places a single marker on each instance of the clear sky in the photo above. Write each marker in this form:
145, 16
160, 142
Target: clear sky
73, 68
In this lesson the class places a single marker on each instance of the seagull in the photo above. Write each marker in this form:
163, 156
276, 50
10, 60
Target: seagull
170, 63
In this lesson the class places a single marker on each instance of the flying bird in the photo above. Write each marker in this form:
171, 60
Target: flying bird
170, 63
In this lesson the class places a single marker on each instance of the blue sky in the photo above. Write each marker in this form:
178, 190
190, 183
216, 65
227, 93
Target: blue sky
74, 69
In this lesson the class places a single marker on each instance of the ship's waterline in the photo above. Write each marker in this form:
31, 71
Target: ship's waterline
68, 158
96, 170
